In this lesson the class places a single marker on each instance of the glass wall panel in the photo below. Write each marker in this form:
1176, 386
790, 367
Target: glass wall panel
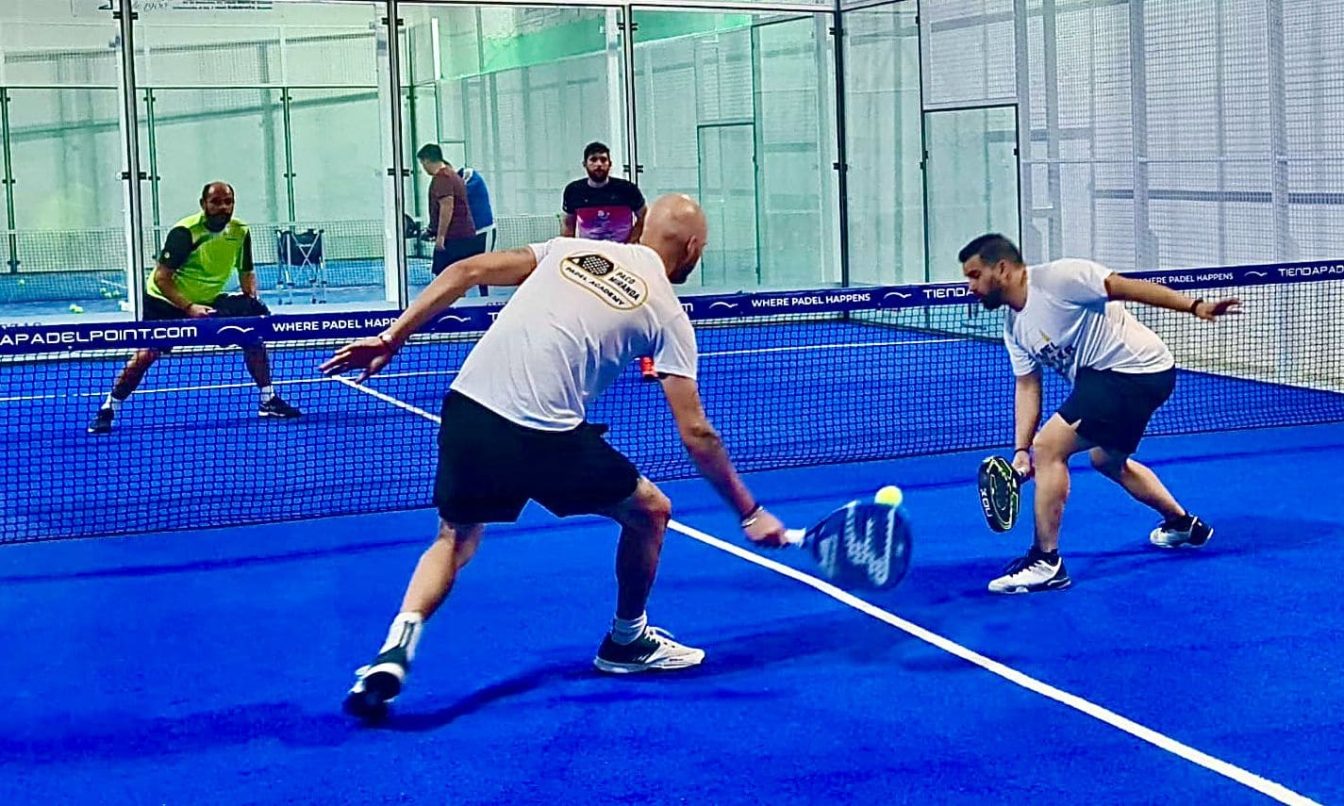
738, 110
285, 103
972, 182
60, 164
514, 94
885, 145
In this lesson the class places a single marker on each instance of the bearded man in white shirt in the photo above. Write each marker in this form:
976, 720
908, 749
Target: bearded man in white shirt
1069, 315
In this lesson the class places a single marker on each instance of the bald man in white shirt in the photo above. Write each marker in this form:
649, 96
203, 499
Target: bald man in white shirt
513, 426
1069, 315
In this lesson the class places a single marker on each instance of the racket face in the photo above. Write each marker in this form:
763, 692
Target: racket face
999, 493
862, 545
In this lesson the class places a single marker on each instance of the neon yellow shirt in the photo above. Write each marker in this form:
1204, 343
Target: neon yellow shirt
211, 259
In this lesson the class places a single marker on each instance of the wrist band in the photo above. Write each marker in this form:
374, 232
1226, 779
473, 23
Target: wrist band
751, 516
1194, 306
386, 342
1021, 450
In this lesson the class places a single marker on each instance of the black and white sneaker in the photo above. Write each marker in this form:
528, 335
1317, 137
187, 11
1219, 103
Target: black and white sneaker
377, 684
102, 422
1187, 531
1032, 573
277, 407
653, 650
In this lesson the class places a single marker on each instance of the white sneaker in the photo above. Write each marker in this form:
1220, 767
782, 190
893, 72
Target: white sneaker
1186, 532
1030, 574
654, 649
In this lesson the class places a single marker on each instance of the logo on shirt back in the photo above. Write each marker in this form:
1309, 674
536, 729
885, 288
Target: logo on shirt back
615, 285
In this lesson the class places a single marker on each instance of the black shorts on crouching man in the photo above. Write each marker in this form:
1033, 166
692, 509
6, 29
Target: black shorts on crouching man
489, 467
1112, 409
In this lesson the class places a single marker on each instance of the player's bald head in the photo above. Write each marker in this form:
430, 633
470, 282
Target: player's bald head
676, 228
677, 215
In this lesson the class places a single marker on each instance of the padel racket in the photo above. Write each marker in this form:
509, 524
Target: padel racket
859, 545
1000, 492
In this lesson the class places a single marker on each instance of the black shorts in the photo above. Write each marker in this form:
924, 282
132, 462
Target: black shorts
489, 467
459, 249
1112, 409
157, 310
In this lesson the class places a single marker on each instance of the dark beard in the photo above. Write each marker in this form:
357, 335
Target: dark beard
993, 300
216, 223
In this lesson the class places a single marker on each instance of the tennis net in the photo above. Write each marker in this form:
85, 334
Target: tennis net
790, 379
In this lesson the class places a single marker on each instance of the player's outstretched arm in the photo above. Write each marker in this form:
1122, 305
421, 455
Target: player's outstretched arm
510, 267
711, 459
1129, 289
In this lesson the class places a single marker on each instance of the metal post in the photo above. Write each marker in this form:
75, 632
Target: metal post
1027, 212
132, 175
1220, 127
1278, 132
398, 170
614, 57
924, 145
1050, 48
287, 128
151, 140
631, 113
841, 134
1145, 256
10, 235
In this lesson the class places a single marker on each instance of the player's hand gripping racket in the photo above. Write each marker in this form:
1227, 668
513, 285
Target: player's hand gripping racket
860, 544
1000, 492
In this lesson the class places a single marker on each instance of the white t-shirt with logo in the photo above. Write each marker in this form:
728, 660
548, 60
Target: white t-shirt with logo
1070, 322
588, 310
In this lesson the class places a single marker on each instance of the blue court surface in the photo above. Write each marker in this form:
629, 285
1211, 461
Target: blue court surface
208, 666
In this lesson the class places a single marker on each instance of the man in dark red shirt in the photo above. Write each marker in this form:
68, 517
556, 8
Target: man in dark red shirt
450, 221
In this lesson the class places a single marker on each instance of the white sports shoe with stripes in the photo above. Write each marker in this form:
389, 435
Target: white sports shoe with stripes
1031, 574
653, 650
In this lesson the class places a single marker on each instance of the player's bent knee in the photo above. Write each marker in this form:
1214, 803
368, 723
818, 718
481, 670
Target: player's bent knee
1045, 451
1108, 464
652, 504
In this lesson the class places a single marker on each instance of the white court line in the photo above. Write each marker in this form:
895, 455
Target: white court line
401, 404
207, 387
425, 373
1248, 779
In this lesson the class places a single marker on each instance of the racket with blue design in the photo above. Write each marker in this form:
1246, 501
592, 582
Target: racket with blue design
861, 544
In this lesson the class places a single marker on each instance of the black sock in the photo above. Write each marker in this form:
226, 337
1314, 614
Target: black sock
1051, 557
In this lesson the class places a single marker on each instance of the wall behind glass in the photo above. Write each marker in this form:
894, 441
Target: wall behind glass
516, 94
1162, 135
287, 105
886, 191
61, 161
738, 111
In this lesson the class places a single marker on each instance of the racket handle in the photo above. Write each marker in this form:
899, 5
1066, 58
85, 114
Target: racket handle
794, 537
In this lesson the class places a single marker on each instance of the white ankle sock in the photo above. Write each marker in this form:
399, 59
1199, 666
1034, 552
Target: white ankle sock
624, 631
112, 403
267, 392
405, 633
